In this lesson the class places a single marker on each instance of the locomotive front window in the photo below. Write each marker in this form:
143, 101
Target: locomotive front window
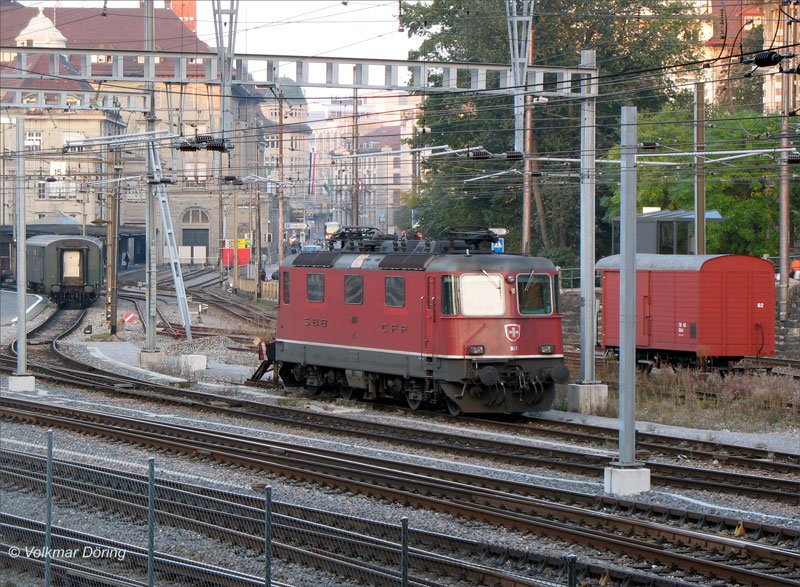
353, 289
534, 294
449, 295
395, 292
482, 295
315, 287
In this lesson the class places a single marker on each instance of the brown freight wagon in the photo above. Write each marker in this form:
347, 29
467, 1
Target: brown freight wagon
707, 310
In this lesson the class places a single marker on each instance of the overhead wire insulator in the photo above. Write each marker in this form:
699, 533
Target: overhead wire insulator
479, 154
514, 156
767, 59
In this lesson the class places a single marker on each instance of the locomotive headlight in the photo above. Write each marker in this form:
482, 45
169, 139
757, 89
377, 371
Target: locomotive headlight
547, 349
475, 349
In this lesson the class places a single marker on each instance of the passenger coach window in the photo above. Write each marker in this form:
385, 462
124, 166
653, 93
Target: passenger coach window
395, 292
449, 295
533, 294
315, 287
284, 283
353, 289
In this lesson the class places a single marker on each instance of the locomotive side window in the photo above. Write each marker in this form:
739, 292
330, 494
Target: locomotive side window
353, 289
534, 294
395, 292
284, 283
315, 287
449, 295
482, 295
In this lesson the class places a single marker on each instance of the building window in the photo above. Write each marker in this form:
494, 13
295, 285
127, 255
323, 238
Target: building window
396, 179
41, 190
33, 141
195, 216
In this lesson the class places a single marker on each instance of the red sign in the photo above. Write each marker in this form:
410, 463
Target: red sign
243, 257
128, 317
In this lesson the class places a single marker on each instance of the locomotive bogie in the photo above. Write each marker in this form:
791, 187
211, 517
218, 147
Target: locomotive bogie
476, 333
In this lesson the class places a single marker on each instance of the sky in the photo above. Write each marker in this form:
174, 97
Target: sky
311, 28
333, 28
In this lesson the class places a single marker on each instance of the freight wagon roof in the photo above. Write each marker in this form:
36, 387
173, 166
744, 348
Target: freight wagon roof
652, 262
419, 262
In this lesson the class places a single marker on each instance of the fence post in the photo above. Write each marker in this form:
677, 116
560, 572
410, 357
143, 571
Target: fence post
572, 579
404, 552
268, 537
151, 519
48, 527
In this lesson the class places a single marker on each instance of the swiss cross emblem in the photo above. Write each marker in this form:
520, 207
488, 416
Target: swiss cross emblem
512, 332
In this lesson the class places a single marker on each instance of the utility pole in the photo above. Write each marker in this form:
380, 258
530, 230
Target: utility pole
112, 245
354, 195
787, 85
281, 233
20, 380
235, 232
150, 219
700, 169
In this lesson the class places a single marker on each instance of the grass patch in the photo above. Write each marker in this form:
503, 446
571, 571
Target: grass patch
752, 402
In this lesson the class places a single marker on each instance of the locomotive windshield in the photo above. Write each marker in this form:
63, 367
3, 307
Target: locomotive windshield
482, 295
534, 294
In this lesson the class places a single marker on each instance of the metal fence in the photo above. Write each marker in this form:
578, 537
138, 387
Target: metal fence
157, 514
135, 529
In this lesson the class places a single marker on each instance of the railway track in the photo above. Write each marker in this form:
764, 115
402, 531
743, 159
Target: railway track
698, 554
335, 543
584, 462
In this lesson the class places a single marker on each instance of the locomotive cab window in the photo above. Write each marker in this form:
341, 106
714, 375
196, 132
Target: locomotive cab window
534, 294
315, 287
284, 283
449, 295
353, 289
395, 292
482, 295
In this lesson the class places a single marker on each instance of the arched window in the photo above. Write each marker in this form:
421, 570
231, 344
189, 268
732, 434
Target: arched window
195, 216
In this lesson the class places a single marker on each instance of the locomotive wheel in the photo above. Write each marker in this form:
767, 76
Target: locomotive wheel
349, 393
453, 407
414, 404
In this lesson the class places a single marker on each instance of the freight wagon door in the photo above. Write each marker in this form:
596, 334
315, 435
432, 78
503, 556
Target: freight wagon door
738, 322
71, 268
644, 314
430, 300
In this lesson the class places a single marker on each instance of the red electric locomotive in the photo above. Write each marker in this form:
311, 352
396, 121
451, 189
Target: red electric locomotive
442, 322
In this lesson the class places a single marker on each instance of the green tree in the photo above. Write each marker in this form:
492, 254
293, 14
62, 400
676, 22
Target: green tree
635, 53
744, 189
